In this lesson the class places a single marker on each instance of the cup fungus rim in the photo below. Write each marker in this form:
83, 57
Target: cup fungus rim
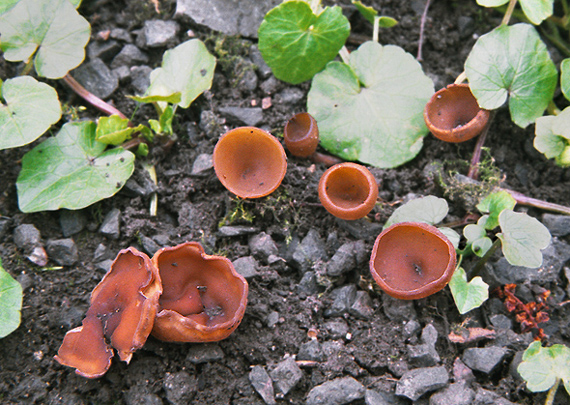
306, 145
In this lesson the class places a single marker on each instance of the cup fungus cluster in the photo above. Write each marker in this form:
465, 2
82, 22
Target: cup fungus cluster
453, 114
181, 295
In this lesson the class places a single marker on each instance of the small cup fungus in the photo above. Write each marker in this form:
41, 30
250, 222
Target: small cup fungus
453, 115
250, 162
348, 190
411, 260
121, 315
301, 135
204, 298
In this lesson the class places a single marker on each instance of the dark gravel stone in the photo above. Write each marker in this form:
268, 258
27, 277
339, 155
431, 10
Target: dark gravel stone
111, 224
101, 253
130, 55
262, 68
336, 328
262, 245
141, 395
425, 354
310, 250
286, 375
104, 50
411, 328
558, 225
180, 387
140, 78
27, 236
500, 321
246, 266
398, 310
343, 298
71, 222
362, 306
485, 397
63, 251
149, 245
290, 95
202, 164
311, 350
243, 115
237, 230
484, 359
121, 34
417, 382
339, 391
204, 353
159, 33
96, 77
262, 384
4, 225
308, 284
457, 394
343, 261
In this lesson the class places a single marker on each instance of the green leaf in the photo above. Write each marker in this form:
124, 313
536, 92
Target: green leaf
113, 130
31, 108
467, 295
174, 98
187, 69
522, 238
493, 205
296, 43
476, 235
565, 78
450, 234
7, 5
367, 12
372, 109
537, 10
429, 209
10, 303
492, 3
542, 366
71, 170
386, 22
51, 31
552, 136
513, 62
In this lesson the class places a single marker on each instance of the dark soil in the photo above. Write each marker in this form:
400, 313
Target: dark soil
192, 208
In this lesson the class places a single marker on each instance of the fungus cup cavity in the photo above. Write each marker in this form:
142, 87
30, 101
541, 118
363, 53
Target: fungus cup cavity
453, 115
301, 135
249, 162
348, 191
121, 315
204, 298
411, 260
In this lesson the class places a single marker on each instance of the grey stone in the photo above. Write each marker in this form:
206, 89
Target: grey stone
248, 79
310, 250
243, 115
558, 225
211, 124
311, 350
513, 366
247, 266
122, 73
485, 397
290, 95
110, 227
4, 225
180, 387
241, 17
500, 321
140, 394
342, 261
339, 391
140, 78
362, 306
262, 245
104, 265
204, 353
425, 354
101, 253
398, 310
272, 319
373, 397
336, 328
411, 328
343, 298
361, 228
262, 68
286, 375
71, 222
97, 78
417, 382
160, 33
262, 384
129, 56
27, 236
202, 164
237, 230
484, 359
104, 50
62, 251
461, 372
149, 245
120, 34
269, 86
308, 284
457, 394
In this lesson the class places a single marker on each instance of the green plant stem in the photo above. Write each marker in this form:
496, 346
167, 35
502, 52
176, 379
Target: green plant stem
28, 66
461, 78
91, 98
481, 263
422, 26
552, 108
509, 12
552, 392
344, 54
375, 28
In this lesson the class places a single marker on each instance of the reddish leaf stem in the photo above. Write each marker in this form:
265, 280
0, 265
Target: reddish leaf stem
422, 28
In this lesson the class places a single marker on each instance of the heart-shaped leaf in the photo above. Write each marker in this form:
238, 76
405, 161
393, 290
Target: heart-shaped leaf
476, 235
429, 209
467, 295
512, 62
71, 170
372, 109
522, 238
542, 366
31, 108
296, 43
51, 31
553, 136
10, 303
187, 69
493, 204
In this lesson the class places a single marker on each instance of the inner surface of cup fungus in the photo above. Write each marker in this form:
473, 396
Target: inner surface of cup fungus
301, 135
121, 315
250, 162
453, 114
204, 298
412, 260
348, 190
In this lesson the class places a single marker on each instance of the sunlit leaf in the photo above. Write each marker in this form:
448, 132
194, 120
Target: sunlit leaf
565, 78
542, 366
537, 10
553, 136
10, 303
476, 235
429, 209
492, 3
493, 205
113, 130
467, 295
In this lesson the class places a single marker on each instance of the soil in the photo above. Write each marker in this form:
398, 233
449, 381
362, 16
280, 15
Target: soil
192, 208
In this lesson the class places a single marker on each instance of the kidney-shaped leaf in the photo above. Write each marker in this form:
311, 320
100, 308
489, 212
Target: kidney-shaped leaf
541, 366
512, 62
537, 10
522, 238
71, 170
52, 30
10, 303
31, 108
467, 295
296, 43
187, 69
429, 209
372, 109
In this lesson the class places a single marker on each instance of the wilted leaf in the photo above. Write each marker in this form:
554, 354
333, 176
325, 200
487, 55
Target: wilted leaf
10, 303
541, 366
467, 295
429, 209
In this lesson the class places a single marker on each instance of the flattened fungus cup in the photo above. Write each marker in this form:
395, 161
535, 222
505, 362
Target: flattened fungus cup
412, 260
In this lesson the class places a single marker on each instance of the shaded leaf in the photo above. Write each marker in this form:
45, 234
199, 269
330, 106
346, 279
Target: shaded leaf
450, 234
541, 366
492, 3
71, 170
476, 235
467, 295
367, 12
552, 136
429, 209
565, 78
10, 303
493, 204
372, 109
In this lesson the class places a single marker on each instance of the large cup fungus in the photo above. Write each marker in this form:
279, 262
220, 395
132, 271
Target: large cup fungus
348, 190
249, 162
412, 260
453, 114
301, 135
204, 298
121, 315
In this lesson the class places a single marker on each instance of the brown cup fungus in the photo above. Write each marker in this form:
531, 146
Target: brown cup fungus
301, 135
453, 114
411, 260
348, 191
204, 298
121, 315
250, 162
